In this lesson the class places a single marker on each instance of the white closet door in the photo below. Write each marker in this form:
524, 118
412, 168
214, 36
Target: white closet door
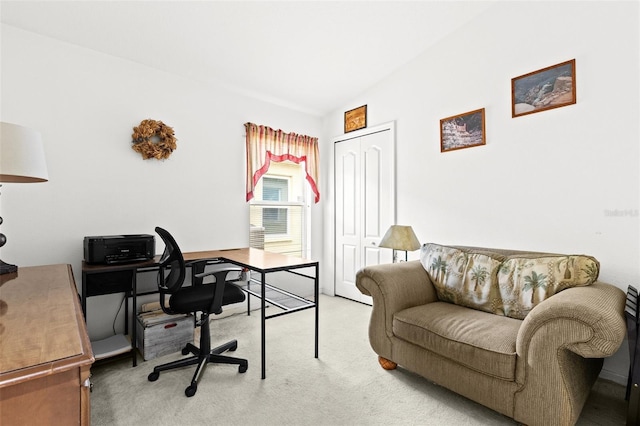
365, 206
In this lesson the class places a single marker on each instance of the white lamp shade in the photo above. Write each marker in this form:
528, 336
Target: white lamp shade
21, 155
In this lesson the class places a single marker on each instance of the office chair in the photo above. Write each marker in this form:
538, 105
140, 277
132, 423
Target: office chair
204, 298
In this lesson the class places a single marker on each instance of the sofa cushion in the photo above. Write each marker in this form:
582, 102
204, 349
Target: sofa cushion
478, 340
525, 281
500, 282
464, 277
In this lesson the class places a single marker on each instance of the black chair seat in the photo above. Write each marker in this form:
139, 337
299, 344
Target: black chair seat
199, 298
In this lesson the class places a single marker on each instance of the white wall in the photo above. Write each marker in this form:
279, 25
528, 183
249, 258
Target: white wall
546, 181
543, 182
86, 104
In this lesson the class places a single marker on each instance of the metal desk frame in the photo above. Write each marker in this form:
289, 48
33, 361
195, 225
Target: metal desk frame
256, 260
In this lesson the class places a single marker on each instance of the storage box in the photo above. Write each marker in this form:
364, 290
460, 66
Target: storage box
160, 334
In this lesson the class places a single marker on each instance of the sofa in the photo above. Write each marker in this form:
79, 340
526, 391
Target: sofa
523, 333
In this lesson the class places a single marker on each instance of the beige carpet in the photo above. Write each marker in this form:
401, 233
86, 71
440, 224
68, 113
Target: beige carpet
345, 386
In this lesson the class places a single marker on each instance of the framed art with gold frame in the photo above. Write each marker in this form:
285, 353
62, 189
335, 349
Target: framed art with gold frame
355, 119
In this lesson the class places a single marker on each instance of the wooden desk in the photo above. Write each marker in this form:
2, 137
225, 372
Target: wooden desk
259, 261
45, 356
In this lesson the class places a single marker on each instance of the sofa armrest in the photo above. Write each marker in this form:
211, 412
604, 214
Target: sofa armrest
560, 347
393, 287
592, 317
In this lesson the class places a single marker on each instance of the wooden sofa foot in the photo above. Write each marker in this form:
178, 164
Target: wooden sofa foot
387, 364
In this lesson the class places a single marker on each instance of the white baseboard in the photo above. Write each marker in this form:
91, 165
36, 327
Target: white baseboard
235, 309
613, 377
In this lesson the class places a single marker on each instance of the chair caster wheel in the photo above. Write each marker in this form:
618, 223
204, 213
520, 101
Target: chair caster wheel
243, 368
185, 351
191, 390
153, 376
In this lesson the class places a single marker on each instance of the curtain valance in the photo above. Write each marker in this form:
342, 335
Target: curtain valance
265, 144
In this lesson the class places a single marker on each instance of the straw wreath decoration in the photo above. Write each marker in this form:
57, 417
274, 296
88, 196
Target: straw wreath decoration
153, 139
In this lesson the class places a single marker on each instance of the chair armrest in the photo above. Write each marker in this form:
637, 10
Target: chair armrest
220, 284
220, 273
394, 287
588, 321
198, 269
226, 269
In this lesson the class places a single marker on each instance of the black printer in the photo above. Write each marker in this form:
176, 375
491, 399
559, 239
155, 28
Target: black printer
111, 249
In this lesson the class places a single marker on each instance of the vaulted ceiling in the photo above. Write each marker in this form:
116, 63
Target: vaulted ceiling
313, 56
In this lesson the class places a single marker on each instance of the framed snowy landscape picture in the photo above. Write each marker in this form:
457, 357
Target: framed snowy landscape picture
462, 131
547, 88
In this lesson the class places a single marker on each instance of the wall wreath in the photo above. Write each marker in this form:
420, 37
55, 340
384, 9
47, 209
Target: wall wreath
153, 139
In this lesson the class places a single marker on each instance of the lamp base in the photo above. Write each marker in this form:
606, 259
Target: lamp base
7, 268
395, 256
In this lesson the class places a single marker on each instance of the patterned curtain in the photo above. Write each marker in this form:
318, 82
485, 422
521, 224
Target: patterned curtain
265, 145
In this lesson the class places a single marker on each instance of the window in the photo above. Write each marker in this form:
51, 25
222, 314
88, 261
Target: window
275, 220
279, 211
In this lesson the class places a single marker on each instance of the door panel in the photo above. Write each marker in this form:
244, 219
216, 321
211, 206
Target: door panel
371, 186
347, 238
364, 206
372, 256
349, 264
377, 171
350, 192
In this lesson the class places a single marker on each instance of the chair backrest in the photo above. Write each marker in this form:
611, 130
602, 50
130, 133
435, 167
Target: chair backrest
172, 260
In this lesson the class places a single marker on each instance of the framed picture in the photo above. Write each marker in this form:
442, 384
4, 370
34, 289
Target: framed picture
462, 131
548, 88
355, 119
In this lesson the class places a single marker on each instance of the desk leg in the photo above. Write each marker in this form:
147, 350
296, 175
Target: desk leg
134, 308
84, 295
263, 325
126, 313
248, 298
317, 297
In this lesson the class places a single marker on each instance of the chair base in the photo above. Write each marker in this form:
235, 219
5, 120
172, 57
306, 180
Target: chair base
202, 358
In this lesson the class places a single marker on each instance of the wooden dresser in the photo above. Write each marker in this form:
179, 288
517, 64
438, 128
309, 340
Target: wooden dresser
45, 354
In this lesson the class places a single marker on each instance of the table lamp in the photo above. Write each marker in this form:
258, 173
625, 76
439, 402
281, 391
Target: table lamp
399, 237
21, 161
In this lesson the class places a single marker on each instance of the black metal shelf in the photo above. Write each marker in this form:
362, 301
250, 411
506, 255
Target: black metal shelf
288, 302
